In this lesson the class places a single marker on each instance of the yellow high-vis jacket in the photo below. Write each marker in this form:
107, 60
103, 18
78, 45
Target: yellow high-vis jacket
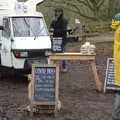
116, 26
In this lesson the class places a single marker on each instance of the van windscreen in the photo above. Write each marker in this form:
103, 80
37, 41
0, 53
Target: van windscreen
29, 26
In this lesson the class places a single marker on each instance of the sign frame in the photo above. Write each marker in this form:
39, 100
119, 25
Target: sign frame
33, 102
52, 44
112, 87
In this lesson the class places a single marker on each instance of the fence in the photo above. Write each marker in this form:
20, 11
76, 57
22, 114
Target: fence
89, 30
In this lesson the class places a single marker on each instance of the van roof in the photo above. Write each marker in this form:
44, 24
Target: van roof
36, 14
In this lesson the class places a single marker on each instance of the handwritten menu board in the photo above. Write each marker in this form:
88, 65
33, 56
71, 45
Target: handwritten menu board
110, 76
44, 83
57, 45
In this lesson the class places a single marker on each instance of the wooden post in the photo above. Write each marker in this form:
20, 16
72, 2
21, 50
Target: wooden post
96, 78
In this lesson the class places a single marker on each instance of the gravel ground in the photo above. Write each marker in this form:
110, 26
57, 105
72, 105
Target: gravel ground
80, 100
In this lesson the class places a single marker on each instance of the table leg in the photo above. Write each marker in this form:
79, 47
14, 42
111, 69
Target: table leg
51, 62
96, 77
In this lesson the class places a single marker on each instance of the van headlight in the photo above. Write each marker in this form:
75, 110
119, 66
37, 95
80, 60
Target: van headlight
20, 53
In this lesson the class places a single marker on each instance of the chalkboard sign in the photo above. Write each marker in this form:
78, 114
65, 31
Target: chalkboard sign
45, 83
57, 45
110, 76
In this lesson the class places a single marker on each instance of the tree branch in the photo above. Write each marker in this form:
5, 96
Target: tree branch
89, 5
77, 11
100, 3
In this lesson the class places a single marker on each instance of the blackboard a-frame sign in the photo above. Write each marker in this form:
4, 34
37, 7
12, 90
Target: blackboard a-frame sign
45, 80
57, 44
110, 76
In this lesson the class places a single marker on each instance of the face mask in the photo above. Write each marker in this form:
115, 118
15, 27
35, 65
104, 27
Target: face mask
115, 24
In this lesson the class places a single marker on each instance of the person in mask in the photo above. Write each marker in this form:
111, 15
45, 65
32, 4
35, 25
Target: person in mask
59, 28
116, 26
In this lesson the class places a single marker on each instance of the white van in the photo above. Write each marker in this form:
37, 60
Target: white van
24, 38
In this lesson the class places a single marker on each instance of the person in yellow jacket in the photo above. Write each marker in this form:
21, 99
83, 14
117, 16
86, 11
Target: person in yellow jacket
116, 26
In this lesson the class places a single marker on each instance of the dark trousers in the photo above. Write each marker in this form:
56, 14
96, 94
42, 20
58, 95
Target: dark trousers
116, 112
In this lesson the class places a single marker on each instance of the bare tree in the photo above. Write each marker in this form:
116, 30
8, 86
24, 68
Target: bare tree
89, 9
80, 7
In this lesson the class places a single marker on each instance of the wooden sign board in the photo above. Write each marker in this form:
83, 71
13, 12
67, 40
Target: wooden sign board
45, 80
57, 45
110, 76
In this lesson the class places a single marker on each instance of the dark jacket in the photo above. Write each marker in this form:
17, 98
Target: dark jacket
60, 28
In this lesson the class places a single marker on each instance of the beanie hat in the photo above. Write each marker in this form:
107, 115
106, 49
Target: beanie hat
117, 17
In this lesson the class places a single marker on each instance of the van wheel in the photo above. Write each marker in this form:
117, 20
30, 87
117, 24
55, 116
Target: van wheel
1, 75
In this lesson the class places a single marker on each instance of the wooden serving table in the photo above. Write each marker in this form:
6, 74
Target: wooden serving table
54, 57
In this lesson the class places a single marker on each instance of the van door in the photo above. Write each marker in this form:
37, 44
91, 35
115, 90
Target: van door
6, 44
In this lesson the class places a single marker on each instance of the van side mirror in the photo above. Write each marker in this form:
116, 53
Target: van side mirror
1, 27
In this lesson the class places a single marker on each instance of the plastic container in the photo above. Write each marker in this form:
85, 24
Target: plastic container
87, 48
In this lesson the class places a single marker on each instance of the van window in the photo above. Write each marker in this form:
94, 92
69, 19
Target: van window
6, 31
29, 26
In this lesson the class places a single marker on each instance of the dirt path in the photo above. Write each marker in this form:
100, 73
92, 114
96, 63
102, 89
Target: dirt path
102, 38
80, 101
